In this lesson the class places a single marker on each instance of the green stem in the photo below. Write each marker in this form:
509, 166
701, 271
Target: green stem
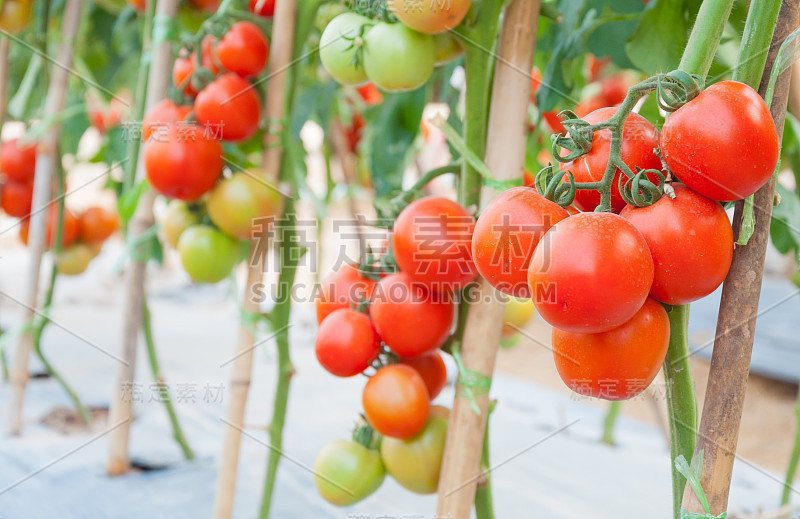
705, 37
610, 422
756, 40
280, 315
290, 255
484, 505
791, 470
155, 368
44, 318
129, 176
478, 62
681, 399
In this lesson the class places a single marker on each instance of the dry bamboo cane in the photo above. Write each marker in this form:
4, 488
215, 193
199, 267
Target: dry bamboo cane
46, 157
274, 108
730, 362
122, 403
505, 156
5, 47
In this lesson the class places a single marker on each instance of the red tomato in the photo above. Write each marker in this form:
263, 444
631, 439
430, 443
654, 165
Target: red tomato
396, 402
16, 198
230, 107
68, 235
208, 6
639, 139
182, 71
507, 233
18, 163
432, 243
264, 8
617, 364
589, 105
183, 68
244, 49
185, 165
347, 343
354, 132
590, 273
432, 369
723, 143
97, 225
409, 318
370, 94
614, 89
596, 66
341, 289
553, 121
162, 116
139, 5
691, 242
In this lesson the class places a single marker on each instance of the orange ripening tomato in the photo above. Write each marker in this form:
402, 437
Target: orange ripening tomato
430, 17
396, 402
69, 233
370, 94
617, 364
97, 224
208, 6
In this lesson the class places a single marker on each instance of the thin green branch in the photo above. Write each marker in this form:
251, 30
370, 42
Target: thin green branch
681, 399
610, 422
155, 368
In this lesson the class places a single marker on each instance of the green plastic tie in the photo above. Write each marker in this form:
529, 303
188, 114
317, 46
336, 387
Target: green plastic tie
470, 382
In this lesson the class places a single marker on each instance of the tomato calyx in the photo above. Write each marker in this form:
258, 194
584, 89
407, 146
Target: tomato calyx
365, 435
637, 188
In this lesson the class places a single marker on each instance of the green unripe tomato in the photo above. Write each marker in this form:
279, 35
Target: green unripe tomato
347, 472
415, 463
338, 47
207, 255
74, 259
397, 58
240, 204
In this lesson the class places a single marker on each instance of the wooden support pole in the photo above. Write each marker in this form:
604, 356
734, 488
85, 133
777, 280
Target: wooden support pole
46, 162
274, 108
505, 157
121, 411
730, 362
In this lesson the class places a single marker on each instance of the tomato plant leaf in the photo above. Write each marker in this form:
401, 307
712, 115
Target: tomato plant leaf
659, 40
127, 203
785, 227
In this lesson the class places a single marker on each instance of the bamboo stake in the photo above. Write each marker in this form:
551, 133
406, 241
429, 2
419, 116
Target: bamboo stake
5, 47
350, 171
730, 362
46, 157
505, 156
274, 108
121, 402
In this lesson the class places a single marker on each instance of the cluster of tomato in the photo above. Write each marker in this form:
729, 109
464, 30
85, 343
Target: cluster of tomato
82, 236
183, 152
396, 57
598, 277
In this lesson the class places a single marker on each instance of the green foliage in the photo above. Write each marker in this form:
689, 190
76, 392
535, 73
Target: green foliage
391, 130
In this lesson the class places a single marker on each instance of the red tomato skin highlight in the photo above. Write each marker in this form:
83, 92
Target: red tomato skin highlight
617, 364
506, 234
723, 143
590, 273
691, 241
